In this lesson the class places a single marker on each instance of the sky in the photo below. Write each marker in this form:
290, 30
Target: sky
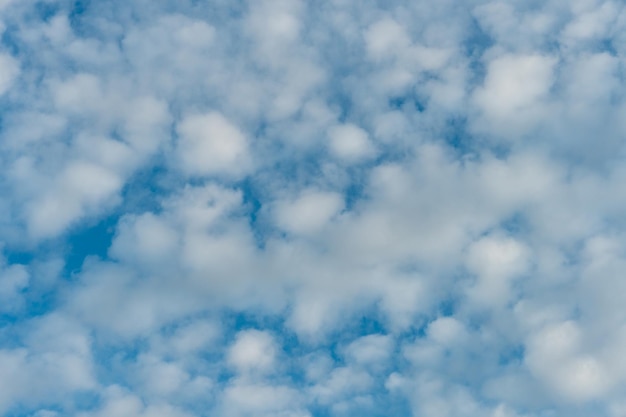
289, 208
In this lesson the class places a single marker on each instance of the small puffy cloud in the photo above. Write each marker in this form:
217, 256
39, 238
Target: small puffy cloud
274, 24
447, 331
53, 361
81, 188
209, 144
514, 95
350, 143
590, 23
498, 257
312, 315
496, 261
370, 350
160, 378
253, 351
309, 212
147, 238
386, 37
556, 356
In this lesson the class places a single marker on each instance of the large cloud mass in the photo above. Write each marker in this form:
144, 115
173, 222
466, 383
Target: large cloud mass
297, 209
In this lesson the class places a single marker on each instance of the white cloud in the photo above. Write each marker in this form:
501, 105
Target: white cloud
590, 22
351, 143
309, 212
417, 206
160, 378
9, 71
513, 97
312, 315
245, 399
147, 238
555, 356
209, 144
194, 337
496, 261
112, 300
386, 37
342, 382
370, 350
253, 351
80, 188
54, 360
447, 331
14, 279
121, 403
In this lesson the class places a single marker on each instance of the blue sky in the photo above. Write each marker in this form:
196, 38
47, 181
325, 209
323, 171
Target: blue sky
307, 209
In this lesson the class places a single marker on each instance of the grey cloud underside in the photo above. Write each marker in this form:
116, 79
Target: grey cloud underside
312, 208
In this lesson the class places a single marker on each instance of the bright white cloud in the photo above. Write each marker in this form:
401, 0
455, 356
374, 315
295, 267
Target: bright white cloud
514, 94
496, 261
253, 351
350, 143
211, 145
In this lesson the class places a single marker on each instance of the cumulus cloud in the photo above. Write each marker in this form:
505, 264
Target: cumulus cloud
286, 208
309, 212
351, 143
513, 97
210, 144
253, 351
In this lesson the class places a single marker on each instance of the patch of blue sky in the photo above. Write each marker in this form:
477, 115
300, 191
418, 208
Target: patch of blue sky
89, 239
400, 103
475, 45
146, 190
44, 10
9, 40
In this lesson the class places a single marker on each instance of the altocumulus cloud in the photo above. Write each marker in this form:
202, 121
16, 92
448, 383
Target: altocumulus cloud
300, 209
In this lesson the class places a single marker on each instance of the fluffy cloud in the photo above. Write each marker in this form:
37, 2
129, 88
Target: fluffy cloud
309, 212
210, 144
280, 208
513, 98
253, 351
351, 143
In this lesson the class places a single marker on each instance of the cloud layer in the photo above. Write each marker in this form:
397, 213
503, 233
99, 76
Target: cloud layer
298, 209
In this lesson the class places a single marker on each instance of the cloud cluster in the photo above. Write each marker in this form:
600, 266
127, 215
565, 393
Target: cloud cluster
287, 208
